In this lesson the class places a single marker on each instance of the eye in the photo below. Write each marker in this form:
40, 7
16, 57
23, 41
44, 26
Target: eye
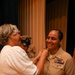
53, 38
48, 37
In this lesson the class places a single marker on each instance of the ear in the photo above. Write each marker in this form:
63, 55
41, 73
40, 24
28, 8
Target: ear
60, 43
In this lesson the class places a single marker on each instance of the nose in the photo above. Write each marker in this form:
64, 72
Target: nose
49, 40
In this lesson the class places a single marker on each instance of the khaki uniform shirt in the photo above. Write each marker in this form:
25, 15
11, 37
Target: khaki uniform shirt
14, 61
60, 63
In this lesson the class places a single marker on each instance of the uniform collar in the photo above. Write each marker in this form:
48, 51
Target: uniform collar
56, 55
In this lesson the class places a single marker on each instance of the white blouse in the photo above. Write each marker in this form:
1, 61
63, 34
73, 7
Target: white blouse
15, 61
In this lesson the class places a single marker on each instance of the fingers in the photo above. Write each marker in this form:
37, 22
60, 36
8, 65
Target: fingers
44, 53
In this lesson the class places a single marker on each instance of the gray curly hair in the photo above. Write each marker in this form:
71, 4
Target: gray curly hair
5, 31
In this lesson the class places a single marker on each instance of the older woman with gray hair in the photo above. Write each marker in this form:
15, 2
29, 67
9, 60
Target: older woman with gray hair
13, 59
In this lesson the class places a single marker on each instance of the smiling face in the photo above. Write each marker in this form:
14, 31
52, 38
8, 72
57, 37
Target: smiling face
53, 42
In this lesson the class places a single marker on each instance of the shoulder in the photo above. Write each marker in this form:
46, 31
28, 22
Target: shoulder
12, 50
9, 48
65, 55
6, 48
18, 50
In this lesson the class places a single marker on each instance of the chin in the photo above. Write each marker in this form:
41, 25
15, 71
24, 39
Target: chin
49, 48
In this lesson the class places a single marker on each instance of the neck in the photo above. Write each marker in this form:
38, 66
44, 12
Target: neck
10, 44
53, 51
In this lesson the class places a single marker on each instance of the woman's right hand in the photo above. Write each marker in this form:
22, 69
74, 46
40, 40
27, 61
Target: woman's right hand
44, 53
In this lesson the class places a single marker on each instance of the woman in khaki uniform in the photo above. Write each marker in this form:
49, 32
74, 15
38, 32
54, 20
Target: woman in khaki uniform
58, 62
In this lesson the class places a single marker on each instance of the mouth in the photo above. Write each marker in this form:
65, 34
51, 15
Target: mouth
49, 45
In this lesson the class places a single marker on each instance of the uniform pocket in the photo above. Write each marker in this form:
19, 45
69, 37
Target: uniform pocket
58, 66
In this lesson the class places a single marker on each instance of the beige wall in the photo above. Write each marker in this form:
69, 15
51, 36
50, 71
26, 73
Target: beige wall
32, 21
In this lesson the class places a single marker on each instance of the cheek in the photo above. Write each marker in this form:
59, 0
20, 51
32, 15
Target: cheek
56, 44
16, 39
46, 41
52, 44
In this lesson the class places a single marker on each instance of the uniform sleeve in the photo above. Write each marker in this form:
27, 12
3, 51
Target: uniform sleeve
70, 67
18, 60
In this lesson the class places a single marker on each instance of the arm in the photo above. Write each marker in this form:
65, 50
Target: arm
40, 63
36, 59
25, 65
